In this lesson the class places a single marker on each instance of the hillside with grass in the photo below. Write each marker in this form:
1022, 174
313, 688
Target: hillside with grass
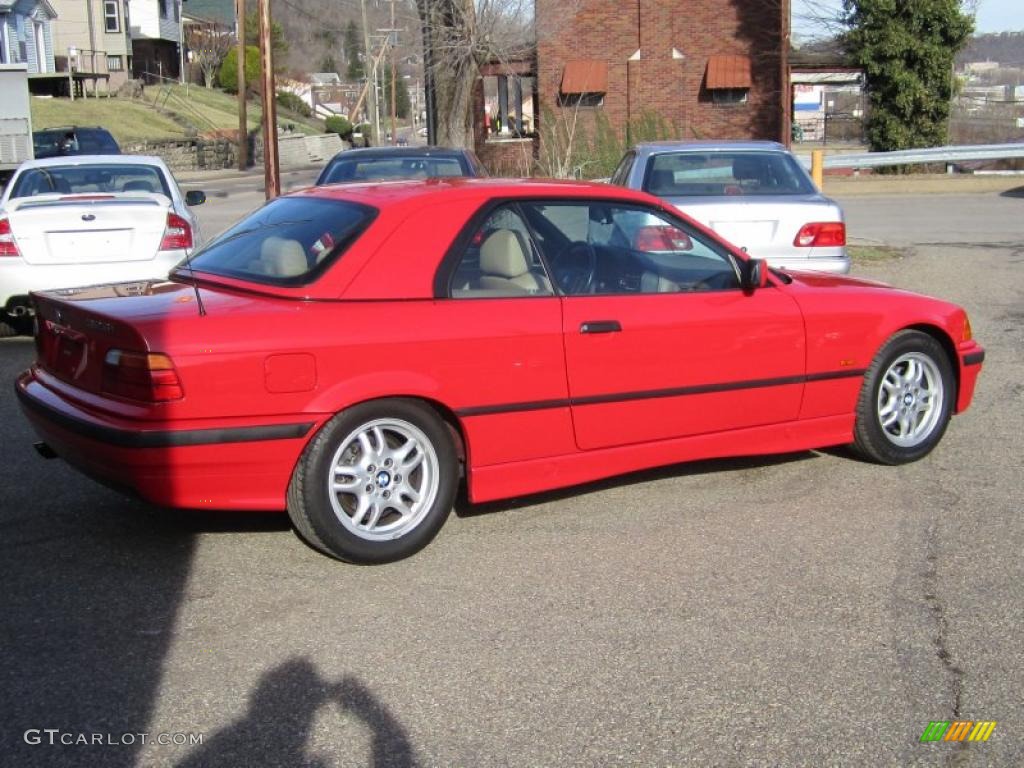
166, 113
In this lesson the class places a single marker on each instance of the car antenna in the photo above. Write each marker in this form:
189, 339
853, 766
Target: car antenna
195, 284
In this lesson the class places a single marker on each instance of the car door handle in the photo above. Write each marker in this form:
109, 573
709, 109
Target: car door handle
601, 326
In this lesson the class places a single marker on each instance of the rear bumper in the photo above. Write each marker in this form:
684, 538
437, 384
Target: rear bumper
213, 467
18, 278
839, 265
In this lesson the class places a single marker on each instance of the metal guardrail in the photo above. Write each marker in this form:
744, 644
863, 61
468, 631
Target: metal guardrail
938, 155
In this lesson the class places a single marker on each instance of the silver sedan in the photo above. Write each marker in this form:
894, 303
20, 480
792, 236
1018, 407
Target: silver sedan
753, 193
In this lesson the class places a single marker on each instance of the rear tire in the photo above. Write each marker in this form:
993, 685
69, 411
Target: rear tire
17, 326
906, 400
376, 483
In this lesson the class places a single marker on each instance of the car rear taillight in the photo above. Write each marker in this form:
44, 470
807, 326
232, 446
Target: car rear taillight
660, 238
822, 234
146, 376
7, 245
177, 235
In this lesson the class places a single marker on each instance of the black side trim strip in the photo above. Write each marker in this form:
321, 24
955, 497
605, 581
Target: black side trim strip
975, 358
164, 439
652, 394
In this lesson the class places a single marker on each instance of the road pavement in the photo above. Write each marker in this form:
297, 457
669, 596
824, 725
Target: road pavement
809, 609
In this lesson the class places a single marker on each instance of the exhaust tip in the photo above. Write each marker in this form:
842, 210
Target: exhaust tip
44, 450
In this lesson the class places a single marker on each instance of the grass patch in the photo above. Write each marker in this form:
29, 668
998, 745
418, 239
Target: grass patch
128, 121
147, 119
874, 254
210, 109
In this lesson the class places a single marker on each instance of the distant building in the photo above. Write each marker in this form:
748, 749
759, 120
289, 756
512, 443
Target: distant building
92, 37
26, 34
704, 70
155, 27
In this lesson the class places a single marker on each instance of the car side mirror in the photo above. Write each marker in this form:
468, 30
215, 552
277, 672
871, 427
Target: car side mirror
755, 274
195, 197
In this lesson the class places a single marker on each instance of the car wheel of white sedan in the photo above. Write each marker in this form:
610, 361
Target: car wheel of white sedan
376, 483
906, 400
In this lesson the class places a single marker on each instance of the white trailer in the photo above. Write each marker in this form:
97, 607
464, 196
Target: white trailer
15, 119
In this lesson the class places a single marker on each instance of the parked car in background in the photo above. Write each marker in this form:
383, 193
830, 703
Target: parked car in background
73, 140
73, 221
388, 163
366, 347
755, 194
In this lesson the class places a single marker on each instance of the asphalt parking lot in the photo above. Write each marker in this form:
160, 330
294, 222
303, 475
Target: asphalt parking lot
808, 609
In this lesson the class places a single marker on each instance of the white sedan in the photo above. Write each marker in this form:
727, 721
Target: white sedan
72, 221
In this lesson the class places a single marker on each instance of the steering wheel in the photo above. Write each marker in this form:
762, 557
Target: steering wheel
575, 268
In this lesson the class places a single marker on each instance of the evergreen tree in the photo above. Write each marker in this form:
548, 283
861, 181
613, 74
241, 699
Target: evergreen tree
353, 52
907, 48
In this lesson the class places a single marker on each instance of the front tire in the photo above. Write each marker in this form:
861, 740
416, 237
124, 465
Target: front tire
376, 483
906, 400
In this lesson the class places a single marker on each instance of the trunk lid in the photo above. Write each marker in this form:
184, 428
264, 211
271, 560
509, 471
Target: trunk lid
89, 229
764, 226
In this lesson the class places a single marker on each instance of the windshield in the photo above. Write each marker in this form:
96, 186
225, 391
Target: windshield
289, 241
701, 174
90, 179
391, 167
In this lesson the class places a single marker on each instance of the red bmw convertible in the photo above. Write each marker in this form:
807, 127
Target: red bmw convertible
350, 354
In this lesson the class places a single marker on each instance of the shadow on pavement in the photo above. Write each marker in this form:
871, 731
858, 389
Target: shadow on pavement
465, 508
1015, 192
92, 585
277, 726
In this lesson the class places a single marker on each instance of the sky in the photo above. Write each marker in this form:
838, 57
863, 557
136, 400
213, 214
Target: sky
993, 16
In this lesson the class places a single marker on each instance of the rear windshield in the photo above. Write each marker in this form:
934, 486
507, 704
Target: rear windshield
383, 168
81, 141
289, 241
90, 179
698, 174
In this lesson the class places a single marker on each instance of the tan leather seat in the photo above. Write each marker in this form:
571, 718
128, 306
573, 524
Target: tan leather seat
504, 266
280, 257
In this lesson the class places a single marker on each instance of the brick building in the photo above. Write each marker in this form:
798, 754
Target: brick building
713, 69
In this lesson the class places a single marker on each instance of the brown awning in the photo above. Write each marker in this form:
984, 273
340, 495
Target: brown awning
585, 76
728, 72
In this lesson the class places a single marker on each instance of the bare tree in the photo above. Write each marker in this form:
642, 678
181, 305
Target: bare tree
209, 44
460, 35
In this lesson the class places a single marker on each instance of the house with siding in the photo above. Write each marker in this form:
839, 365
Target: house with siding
156, 29
93, 36
26, 35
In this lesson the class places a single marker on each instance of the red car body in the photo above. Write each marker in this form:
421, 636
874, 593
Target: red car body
534, 403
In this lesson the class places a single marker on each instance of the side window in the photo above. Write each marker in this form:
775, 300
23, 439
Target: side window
621, 174
597, 248
501, 260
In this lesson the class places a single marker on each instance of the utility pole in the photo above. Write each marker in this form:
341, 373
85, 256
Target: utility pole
243, 123
393, 42
271, 171
181, 44
429, 94
371, 74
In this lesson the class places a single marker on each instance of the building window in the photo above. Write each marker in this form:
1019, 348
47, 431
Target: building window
584, 83
164, 14
112, 15
114, 64
509, 106
729, 95
581, 99
728, 79
40, 41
